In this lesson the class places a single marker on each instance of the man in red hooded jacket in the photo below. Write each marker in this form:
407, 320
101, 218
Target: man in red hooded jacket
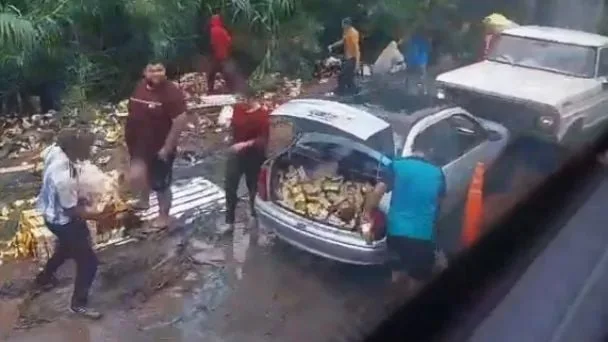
221, 45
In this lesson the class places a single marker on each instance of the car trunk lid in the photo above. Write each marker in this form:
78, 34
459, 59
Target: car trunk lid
334, 118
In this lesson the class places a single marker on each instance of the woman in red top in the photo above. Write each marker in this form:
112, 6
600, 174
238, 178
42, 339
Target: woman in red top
250, 129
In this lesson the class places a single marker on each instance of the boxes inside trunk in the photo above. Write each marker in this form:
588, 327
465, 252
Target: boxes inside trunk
324, 182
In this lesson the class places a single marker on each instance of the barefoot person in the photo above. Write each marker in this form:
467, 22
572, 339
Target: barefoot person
64, 215
250, 129
157, 116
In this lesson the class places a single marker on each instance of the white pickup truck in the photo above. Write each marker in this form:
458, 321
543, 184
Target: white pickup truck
547, 81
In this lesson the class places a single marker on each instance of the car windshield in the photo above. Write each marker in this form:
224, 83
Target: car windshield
565, 59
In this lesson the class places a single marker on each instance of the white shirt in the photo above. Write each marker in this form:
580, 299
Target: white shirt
389, 57
59, 186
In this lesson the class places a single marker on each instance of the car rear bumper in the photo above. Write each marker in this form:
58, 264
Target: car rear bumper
310, 240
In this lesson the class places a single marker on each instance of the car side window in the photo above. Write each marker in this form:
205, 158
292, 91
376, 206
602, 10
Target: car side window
469, 133
603, 63
449, 139
438, 142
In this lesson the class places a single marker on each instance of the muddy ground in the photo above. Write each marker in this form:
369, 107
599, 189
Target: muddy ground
190, 284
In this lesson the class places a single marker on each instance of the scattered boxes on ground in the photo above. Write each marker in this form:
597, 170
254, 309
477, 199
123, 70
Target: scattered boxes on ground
33, 239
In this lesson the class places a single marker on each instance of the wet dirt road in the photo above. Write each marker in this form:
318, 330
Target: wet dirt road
249, 287
262, 291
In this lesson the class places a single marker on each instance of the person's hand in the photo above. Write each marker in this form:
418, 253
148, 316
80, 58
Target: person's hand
163, 154
238, 147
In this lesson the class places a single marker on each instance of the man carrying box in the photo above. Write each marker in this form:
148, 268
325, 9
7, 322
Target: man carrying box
65, 216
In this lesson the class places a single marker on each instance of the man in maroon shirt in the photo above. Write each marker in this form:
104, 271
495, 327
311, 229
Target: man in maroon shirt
250, 130
157, 116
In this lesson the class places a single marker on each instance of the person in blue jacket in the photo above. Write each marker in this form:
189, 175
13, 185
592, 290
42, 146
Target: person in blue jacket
418, 186
417, 56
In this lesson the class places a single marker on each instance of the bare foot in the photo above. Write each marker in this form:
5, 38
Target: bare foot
161, 222
140, 204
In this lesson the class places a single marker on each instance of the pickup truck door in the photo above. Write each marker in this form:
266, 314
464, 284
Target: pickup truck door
595, 109
457, 143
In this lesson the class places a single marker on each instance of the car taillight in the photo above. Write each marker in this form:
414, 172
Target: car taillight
375, 228
263, 184
378, 224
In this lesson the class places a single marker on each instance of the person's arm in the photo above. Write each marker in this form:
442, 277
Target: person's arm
135, 142
356, 47
176, 109
383, 186
227, 38
336, 44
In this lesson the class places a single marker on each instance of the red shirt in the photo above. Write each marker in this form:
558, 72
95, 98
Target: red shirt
151, 114
221, 41
250, 124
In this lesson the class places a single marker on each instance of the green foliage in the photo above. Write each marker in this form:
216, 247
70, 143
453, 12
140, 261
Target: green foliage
99, 47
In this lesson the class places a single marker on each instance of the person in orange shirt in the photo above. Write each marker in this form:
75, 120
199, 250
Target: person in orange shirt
352, 57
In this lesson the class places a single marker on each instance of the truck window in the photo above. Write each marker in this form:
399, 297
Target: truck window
567, 59
603, 63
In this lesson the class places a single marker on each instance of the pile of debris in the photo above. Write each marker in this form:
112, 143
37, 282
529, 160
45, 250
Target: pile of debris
21, 135
327, 68
26, 236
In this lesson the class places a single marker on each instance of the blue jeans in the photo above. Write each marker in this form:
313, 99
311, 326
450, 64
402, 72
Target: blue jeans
416, 82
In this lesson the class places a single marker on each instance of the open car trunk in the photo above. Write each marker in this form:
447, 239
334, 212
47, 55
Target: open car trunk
335, 160
326, 181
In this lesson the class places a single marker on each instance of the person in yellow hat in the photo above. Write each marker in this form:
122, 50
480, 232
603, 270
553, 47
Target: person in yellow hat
493, 25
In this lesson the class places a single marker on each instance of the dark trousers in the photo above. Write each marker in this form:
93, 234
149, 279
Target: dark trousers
226, 68
73, 242
346, 78
248, 163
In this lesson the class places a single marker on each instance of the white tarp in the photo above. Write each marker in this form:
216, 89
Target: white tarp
191, 198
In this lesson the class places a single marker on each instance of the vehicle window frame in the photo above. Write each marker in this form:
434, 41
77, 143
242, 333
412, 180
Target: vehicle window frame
481, 131
598, 61
444, 120
557, 71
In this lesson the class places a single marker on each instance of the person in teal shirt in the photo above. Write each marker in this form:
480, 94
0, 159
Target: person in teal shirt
418, 186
